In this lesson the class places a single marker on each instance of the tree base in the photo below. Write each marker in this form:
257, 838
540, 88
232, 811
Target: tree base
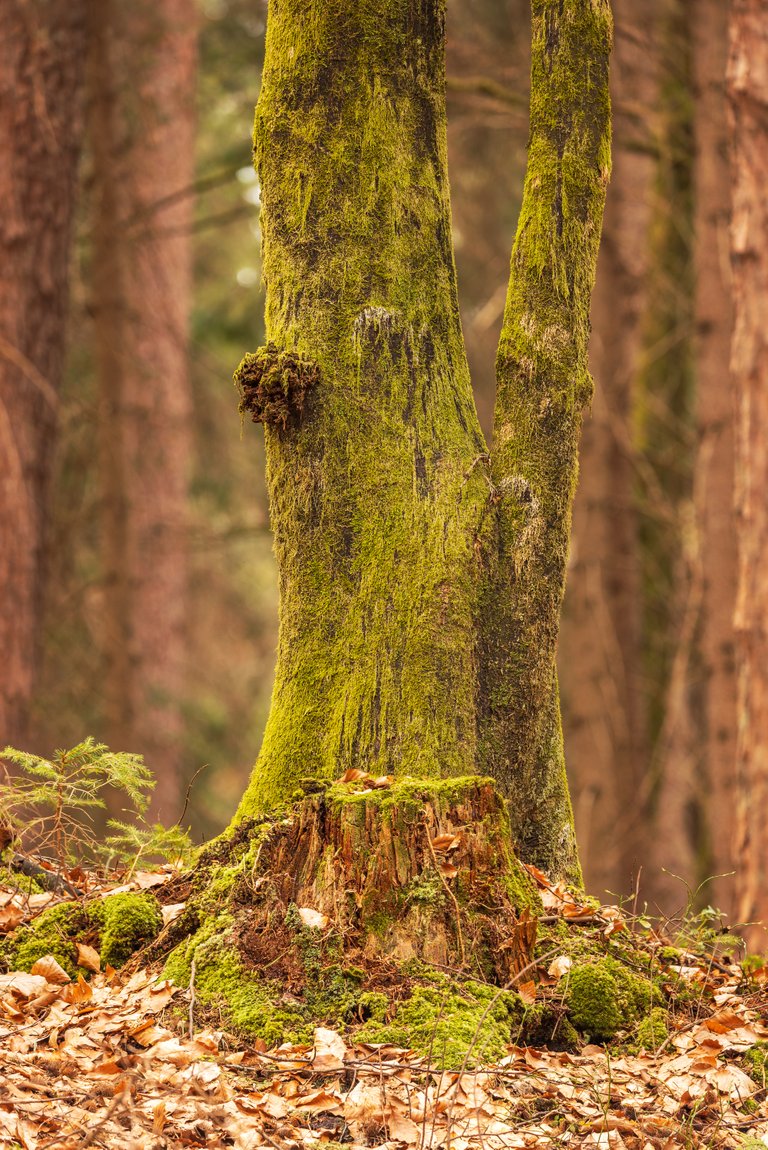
365, 889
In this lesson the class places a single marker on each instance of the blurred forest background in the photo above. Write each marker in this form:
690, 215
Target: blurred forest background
139, 588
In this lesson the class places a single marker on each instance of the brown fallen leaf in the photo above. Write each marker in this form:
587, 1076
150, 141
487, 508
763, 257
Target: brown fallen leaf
330, 1050
527, 991
560, 965
88, 958
78, 992
10, 917
320, 1101
49, 968
22, 985
445, 843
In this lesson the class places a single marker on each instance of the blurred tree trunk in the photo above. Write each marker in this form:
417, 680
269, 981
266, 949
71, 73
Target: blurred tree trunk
715, 413
600, 648
672, 584
142, 132
41, 58
748, 95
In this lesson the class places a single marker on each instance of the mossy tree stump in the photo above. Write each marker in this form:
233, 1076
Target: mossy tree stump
295, 920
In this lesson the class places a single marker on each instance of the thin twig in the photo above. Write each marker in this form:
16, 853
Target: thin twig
192, 782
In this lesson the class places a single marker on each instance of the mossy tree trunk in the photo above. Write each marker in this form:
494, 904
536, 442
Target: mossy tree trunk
420, 574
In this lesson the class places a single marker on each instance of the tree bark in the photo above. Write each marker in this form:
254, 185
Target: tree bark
41, 59
143, 145
672, 583
600, 657
543, 384
748, 98
714, 467
386, 513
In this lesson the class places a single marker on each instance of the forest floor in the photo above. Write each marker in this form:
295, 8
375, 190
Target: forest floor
127, 1059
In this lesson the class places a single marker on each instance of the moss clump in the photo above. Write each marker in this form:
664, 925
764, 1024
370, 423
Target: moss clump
606, 996
253, 1006
117, 925
451, 1022
262, 1007
425, 890
373, 1005
52, 933
757, 1063
126, 922
273, 385
14, 880
652, 1031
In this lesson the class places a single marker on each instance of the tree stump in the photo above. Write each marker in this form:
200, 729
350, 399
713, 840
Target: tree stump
294, 921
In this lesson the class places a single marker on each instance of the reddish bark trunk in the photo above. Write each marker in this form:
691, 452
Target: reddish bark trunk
143, 137
41, 55
748, 94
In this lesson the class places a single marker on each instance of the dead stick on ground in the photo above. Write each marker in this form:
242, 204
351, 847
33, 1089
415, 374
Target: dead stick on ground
192, 998
451, 895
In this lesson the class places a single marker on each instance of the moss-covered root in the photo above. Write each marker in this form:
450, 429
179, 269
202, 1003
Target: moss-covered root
292, 925
116, 926
543, 385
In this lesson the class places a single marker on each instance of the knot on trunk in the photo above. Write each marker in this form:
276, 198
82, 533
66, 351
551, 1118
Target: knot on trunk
274, 384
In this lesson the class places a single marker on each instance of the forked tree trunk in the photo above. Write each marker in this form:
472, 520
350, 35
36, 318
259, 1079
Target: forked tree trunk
143, 146
41, 71
420, 579
748, 93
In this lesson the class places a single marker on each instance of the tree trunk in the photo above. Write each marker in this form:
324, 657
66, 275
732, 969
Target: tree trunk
666, 423
394, 533
41, 60
748, 95
601, 644
543, 385
143, 145
714, 474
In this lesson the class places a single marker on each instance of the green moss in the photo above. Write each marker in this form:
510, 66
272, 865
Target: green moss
259, 1007
51, 933
652, 1031
372, 1004
425, 890
12, 880
450, 1021
606, 996
126, 922
757, 1063
253, 1006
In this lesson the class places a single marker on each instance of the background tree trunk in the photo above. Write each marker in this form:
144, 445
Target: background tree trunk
667, 438
748, 93
41, 58
143, 144
714, 467
600, 657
